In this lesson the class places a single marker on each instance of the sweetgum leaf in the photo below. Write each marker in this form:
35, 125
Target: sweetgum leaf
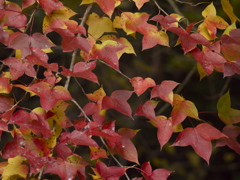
107, 173
157, 174
19, 67
97, 153
97, 26
164, 91
78, 138
65, 169
107, 52
230, 68
62, 150
166, 21
181, 109
140, 85
232, 133
189, 41
70, 42
147, 110
49, 96
140, 3
118, 101
83, 70
50, 5
13, 15
57, 19
199, 138
15, 168
227, 114
130, 22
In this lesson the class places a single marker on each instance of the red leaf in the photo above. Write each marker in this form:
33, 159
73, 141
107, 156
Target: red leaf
18, 67
166, 21
62, 150
165, 129
83, 70
157, 174
232, 132
209, 59
147, 110
181, 109
140, 85
78, 138
189, 41
118, 101
107, 52
230, 68
70, 42
50, 5
65, 169
49, 96
13, 15
164, 91
108, 173
199, 138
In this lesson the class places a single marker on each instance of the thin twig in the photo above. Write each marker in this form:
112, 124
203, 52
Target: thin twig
159, 7
180, 87
175, 7
115, 159
192, 4
79, 107
76, 51
115, 69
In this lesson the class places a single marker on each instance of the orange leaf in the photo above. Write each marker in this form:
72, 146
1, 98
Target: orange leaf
140, 85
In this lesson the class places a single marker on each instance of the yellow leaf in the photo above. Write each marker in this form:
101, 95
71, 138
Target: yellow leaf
56, 19
99, 25
96, 95
128, 49
201, 71
15, 169
228, 9
139, 3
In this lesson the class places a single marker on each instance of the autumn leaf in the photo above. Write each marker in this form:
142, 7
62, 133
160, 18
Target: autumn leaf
211, 22
165, 129
128, 46
210, 59
97, 26
83, 70
50, 5
227, 114
130, 22
199, 138
49, 96
231, 140
181, 109
167, 21
164, 91
15, 169
5, 85
147, 110
59, 115
152, 36
96, 153
77, 138
19, 67
70, 42
63, 150
189, 41
107, 52
103, 172
6, 109
140, 85
57, 19
118, 101
13, 15
157, 174
24, 42
228, 9
231, 67
65, 169
140, 3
